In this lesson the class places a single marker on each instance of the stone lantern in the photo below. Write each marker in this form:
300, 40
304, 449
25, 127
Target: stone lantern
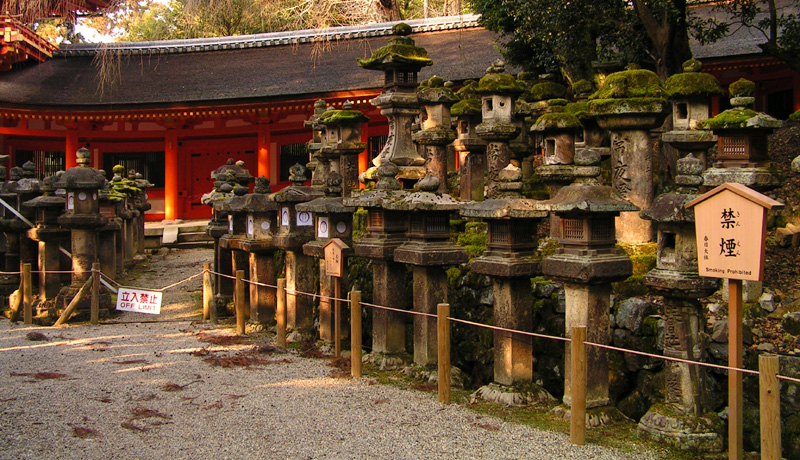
110, 202
8, 222
592, 136
533, 103
126, 212
341, 144
742, 142
332, 219
511, 261
629, 104
296, 228
435, 99
690, 93
260, 225
401, 61
49, 236
386, 230
318, 166
429, 250
234, 208
681, 420
142, 205
498, 91
470, 148
225, 177
82, 217
587, 263
25, 189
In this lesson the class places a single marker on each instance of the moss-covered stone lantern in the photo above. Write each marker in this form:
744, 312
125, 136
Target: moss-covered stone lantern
587, 263
82, 217
534, 103
9, 283
690, 93
511, 261
742, 145
126, 212
436, 97
470, 148
592, 136
25, 189
498, 91
260, 225
386, 230
629, 104
341, 144
318, 166
429, 250
682, 419
296, 228
110, 202
401, 61
49, 236
142, 205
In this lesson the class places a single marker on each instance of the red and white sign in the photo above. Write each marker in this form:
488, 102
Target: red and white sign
139, 301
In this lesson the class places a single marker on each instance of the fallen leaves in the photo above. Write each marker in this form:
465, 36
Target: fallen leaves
39, 375
245, 359
131, 361
218, 339
83, 432
143, 413
37, 337
176, 387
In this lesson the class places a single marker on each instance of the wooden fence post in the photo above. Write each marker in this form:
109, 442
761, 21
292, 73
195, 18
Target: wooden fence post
95, 300
337, 317
27, 294
443, 337
577, 422
280, 313
208, 293
16, 304
770, 399
355, 334
238, 303
735, 388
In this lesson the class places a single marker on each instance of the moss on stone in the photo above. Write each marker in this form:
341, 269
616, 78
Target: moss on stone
466, 107
548, 247
693, 84
732, 118
397, 53
643, 256
545, 90
631, 287
556, 120
359, 223
636, 83
582, 87
795, 117
535, 188
499, 83
338, 117
579, 109
474, 238
628, 105
742, 88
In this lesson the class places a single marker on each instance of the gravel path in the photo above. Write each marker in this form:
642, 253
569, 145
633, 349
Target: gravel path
140, 390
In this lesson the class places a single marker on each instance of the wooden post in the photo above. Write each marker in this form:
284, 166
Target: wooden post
208, 293
355, 334
280, 313
95, 300
443, 336
770, 398
577, 420
735, 395
337, 317
74, 303
238, 303
27, 294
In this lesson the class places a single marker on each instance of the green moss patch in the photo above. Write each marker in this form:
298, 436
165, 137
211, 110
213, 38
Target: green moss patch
631, 83
547, 90
397, 53
733, 118
629, 105
693, 84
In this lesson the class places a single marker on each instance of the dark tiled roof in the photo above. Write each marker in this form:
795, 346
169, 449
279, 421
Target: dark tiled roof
742, 41
184, 74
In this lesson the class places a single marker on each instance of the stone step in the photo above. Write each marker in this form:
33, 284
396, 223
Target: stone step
192, 245
193, 237
200, 228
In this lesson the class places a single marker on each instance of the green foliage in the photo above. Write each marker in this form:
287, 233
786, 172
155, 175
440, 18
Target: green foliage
474, 238
795, 117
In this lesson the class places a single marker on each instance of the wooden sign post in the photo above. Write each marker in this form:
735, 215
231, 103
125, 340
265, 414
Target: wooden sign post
334, 267
730, 226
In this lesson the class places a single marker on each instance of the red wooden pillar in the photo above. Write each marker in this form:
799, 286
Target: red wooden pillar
71, 148
363, 157
171, 174
264, 140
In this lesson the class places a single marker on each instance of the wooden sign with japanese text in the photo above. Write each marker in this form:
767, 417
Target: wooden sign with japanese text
730, 226
334, 262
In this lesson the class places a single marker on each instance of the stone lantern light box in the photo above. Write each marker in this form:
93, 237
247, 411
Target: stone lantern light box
731, 227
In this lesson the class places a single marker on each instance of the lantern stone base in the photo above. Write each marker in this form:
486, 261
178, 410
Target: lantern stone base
760, 179
68, 293
595, 416
387, 362
664, 423
515, 396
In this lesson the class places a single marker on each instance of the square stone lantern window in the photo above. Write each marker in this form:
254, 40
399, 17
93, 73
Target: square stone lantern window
497, 108
741, 148
401, 78
381, 221
506, 234
291, 220
590, 232
107, 209
666, 247
686, 113
429, 225
261, 225
334, 225
82, 202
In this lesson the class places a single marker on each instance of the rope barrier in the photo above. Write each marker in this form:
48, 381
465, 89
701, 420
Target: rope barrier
399, 310
222, 275
316, 296
790, 379
496, 328
180, 282
256, 283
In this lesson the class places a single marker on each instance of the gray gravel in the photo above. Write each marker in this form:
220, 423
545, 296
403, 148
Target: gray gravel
291, 408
